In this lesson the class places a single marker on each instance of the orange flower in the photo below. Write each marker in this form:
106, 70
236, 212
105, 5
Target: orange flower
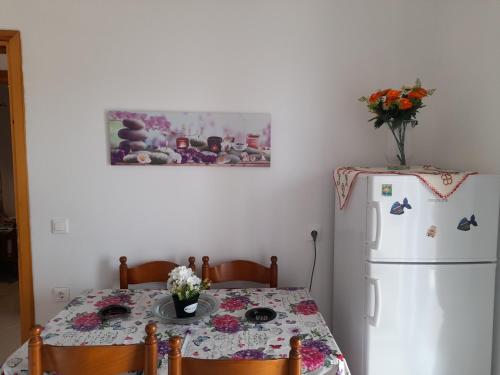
417, 93
374, 97
405, 104
392, 95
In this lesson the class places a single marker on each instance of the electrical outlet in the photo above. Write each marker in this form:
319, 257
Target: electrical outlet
314, 228
61, 294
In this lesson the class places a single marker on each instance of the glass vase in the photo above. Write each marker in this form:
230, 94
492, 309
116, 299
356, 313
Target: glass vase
399, 148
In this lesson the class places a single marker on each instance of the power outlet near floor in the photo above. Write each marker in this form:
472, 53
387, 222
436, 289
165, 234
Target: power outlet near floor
314, 228
61, 294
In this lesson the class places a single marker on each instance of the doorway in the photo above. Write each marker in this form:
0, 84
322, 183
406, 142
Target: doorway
16, 285
10, 322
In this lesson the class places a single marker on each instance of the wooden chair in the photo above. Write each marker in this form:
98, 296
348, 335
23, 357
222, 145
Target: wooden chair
241, 270
177, 365
84, 360
151, 272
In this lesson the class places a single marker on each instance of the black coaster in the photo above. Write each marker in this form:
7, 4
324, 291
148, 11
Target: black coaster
113, 312
260, 315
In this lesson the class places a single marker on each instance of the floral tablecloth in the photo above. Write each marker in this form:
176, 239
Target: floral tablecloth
225, 334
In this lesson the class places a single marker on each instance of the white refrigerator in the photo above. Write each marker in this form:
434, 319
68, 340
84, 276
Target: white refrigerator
414, 277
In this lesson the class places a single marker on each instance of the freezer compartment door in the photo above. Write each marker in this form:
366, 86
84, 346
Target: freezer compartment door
407, 222
429, 319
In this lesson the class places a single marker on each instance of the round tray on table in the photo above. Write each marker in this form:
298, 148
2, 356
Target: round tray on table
165, 310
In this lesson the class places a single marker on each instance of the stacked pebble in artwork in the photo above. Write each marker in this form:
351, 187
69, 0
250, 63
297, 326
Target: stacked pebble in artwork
134, 136
134, 145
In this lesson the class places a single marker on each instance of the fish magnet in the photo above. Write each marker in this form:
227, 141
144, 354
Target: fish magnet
465, 224
399, 208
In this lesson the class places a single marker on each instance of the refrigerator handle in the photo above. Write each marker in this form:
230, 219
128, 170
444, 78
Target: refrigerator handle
373, 319
374, 244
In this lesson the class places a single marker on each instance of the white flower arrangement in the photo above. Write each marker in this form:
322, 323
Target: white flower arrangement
183, 283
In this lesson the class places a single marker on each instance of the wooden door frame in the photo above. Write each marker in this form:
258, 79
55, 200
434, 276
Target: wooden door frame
11, 39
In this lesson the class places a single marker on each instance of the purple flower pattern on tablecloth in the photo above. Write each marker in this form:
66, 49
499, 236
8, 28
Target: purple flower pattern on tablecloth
120, 299
307, 307
312, 358
249, 354
318, 344
225, 334
226, 323
235, 303
86, 322
163, 348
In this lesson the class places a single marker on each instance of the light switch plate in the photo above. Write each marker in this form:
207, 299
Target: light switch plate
60, 225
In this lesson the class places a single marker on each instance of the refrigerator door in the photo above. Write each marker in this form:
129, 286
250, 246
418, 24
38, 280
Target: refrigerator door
407, 222
433, 319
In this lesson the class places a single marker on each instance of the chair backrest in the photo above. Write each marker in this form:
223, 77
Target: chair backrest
241, 270
151, 272
177, 365
84, 360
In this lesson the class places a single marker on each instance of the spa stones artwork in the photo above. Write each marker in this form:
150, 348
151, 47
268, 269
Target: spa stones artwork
148, 138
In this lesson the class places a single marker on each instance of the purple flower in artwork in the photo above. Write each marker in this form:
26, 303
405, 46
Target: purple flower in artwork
249, 354
86, 322
195, 156
117, 156
318, 344
152, 122
266, 139
163, 347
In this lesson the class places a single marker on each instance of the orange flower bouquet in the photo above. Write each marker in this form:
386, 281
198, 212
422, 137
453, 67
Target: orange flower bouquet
397, 109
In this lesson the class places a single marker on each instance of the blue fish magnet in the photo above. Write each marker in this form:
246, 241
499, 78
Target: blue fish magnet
465, 224
398, 208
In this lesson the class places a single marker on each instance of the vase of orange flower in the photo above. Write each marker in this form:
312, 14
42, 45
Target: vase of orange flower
398, 109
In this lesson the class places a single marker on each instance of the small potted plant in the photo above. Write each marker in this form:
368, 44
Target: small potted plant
185, 287
397, 109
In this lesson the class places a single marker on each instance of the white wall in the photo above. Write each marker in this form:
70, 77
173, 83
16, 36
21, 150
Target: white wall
468, 134
305, 62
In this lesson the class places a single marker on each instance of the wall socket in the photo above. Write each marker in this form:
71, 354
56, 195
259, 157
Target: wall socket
317, 229
61, 294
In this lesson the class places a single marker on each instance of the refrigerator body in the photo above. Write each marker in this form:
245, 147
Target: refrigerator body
414, 276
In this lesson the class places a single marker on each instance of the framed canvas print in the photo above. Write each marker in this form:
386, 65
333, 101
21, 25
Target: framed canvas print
145, 138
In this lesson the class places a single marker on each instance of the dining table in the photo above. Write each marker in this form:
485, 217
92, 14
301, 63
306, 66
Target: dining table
223, 334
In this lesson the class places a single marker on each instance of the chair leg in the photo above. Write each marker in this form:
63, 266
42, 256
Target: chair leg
35, 352
294, 367
151, 343
192, 264
174, 356
205, 272
123, 273
274, 272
